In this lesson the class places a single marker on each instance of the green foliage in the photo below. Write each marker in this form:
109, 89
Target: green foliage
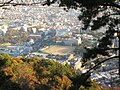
38, 74
55, 68
105, 42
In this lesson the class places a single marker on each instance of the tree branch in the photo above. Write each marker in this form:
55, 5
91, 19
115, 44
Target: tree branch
15, 4
4, 3
99, 63
112, 5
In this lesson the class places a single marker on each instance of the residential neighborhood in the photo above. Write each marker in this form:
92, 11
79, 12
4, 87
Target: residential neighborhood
53, 34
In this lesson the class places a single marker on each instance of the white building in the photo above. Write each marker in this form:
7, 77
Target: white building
72, 41
4, 28
31, 41
78, 65
115, 43
62, 32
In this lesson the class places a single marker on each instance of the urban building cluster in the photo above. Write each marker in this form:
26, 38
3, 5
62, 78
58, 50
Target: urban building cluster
50, 33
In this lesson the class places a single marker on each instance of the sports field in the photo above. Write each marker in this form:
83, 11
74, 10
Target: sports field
59, 50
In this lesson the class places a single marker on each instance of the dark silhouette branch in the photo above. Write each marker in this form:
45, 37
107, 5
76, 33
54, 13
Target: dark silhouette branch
76, 2
16, 4
24, 4
84, 77
4, 3
115, 49
112, 5
99, 63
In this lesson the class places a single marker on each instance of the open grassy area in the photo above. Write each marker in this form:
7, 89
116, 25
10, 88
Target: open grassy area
59, 50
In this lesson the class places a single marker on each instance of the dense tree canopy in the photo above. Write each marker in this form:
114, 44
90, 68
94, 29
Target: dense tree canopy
37, 74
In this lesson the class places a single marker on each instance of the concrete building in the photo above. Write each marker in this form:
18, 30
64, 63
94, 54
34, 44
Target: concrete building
72, 41
3, 28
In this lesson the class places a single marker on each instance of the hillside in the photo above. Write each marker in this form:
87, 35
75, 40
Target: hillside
37, 74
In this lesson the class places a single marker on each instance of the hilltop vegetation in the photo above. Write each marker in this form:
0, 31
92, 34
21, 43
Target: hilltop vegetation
37, 74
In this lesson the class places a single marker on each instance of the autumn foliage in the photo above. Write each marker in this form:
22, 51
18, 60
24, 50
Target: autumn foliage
37, 74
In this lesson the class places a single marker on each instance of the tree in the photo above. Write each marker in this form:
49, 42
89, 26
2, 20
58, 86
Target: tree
38, 74
94, 15
97, 14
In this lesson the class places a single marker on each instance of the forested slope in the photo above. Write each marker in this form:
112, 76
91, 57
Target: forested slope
37, 74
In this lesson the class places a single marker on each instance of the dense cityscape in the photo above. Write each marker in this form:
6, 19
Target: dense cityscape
49, 32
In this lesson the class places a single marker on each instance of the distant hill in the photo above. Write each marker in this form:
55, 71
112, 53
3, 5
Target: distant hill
38, 74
